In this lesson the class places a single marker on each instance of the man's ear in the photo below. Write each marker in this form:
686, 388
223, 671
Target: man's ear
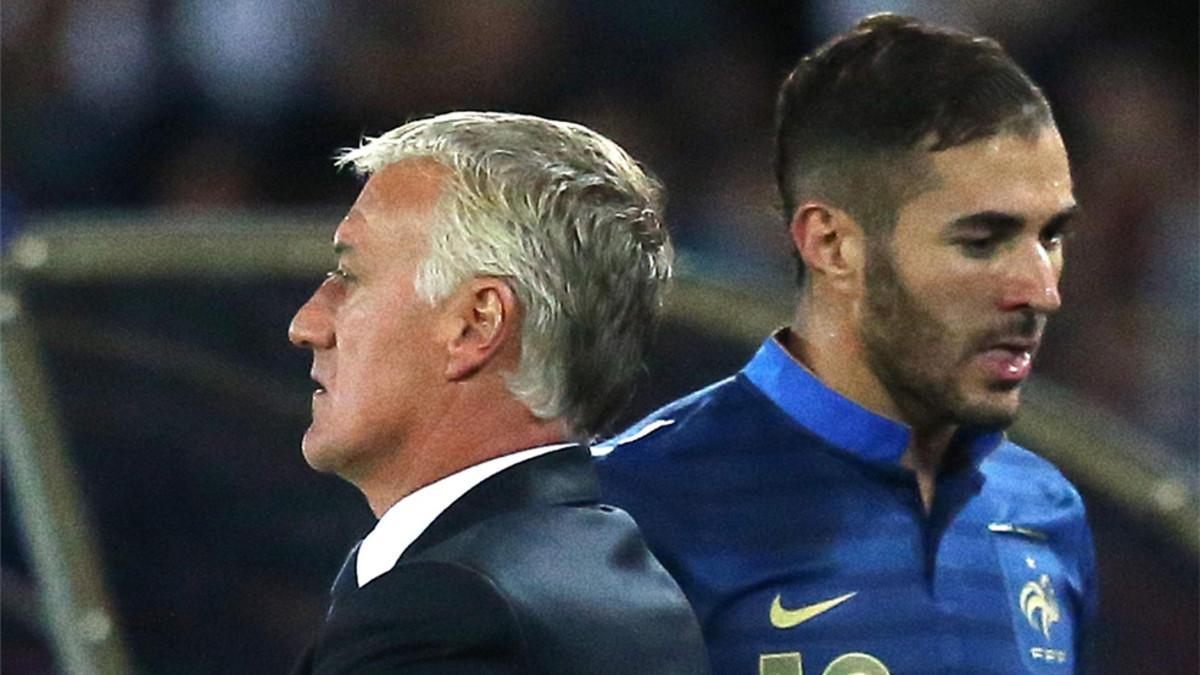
830, 241
485, 313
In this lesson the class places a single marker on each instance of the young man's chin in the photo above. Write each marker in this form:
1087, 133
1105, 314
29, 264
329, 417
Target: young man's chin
992, 410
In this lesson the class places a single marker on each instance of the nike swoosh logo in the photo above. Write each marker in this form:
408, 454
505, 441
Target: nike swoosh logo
1009, 528
790, 618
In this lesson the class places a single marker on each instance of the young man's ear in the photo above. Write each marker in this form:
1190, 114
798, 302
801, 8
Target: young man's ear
830, 242
485, 315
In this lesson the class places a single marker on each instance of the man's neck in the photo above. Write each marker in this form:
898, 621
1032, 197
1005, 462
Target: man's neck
452, 442
826, 342
925, 456
832, 350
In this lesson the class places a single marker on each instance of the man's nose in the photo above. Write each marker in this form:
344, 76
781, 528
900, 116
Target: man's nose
312, 326
1033, 280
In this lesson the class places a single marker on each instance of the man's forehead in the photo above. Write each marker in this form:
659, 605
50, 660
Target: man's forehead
411, 179
1005, 172
347, 233
1038, 156
407, 189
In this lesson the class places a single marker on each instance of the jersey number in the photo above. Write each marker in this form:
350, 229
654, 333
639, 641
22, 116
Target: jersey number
790, 663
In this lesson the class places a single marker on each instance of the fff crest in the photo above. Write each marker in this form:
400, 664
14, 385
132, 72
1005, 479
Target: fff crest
1039, 604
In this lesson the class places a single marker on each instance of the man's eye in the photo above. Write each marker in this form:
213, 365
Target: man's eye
978, 248
1054, 238
340, 275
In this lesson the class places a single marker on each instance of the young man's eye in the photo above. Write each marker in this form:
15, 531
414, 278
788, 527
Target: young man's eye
1053, 238
978, 248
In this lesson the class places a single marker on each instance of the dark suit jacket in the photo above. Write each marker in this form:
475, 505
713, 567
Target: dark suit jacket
525, 573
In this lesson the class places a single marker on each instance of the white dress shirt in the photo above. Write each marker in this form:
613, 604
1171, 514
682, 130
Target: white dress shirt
408, 518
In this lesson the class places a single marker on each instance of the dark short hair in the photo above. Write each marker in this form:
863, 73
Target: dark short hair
856, 115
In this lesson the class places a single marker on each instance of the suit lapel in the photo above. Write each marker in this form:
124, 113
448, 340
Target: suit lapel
560, 477
346, 581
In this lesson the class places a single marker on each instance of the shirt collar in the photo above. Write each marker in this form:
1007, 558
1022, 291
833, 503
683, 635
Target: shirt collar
836, 419
401, 524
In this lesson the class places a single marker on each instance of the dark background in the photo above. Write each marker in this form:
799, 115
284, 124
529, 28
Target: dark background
217, 540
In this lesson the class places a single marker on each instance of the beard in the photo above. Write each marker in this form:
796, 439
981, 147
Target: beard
920, 359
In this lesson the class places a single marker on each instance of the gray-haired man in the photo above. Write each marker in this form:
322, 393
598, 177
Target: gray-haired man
496, 280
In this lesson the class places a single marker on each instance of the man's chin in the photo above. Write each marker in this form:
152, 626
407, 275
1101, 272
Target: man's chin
994, 410
318, 453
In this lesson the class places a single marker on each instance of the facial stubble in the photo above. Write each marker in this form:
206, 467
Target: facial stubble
917, 357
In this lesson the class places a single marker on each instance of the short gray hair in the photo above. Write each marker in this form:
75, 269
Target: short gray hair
572, 223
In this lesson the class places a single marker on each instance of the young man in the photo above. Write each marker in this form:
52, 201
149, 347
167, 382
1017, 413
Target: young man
848, 503
496, 280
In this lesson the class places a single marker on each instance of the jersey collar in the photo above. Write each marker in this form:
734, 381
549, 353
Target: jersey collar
836, 419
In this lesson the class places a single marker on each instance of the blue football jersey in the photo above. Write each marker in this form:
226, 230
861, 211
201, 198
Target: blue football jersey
782, 510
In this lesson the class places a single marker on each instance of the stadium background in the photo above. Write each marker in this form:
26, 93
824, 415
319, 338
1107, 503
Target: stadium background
167, 194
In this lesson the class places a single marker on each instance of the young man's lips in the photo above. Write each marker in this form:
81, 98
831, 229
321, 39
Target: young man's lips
1009, 363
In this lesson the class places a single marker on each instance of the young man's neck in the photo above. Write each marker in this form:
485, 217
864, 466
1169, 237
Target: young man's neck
830, 347
925, 456
824, 340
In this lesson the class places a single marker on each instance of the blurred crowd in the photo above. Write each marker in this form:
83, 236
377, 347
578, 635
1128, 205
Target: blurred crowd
125, 105
130, 104
133, 103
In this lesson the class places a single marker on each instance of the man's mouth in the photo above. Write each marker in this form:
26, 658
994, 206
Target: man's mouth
320, 389
1010, 360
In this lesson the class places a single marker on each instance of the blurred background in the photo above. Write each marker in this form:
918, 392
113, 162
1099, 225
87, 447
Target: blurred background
167, 197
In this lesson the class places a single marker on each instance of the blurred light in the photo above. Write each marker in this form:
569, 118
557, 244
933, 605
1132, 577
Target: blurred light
108, 54
18, 16
834, 16
10, 307
95, 626
250, 56
1170, 495
30, 252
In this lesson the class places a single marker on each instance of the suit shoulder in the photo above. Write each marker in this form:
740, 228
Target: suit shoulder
567, 550
423, 613
588, 595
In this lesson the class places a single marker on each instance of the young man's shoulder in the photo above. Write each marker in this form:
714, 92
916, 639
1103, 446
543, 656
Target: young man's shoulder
1016, 468
717, 416
1031, 491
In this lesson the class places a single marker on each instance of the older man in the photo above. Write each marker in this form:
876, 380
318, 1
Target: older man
848, 503
496, 280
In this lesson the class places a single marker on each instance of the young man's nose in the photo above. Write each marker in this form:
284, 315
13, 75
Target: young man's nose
1033, 280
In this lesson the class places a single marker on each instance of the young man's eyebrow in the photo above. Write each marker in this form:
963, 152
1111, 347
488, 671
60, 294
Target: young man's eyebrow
1001, 223
1064, 217
993, 221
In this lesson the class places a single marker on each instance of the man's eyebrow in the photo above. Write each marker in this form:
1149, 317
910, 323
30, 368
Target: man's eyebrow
342, 248
1001, 223
993, 221
1064, 217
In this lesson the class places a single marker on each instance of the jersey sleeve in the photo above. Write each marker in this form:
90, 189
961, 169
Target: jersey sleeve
1085, 637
